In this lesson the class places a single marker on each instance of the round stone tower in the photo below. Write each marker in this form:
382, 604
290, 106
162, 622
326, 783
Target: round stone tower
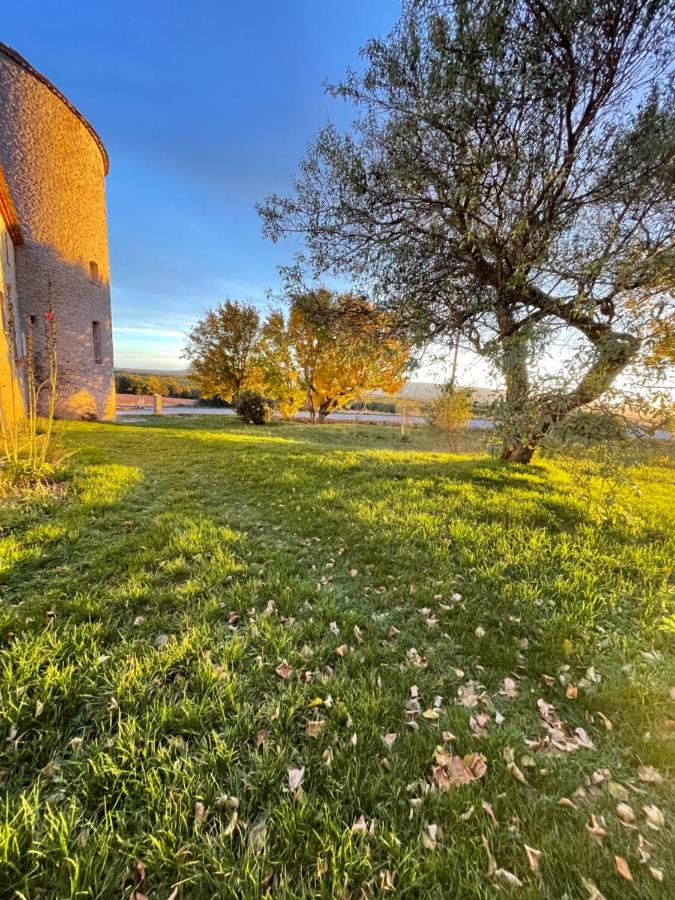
55, 167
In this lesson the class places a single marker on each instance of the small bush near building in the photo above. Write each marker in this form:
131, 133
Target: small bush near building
254, 408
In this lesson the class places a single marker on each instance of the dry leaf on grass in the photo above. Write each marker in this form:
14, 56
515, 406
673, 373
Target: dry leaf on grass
389, 739
649, 774
295, 777
654, 816
625, 813
533, 857
360, 826
622, 868
334, 628
315, 728
509, 687
431, 836
283, 670
489, 810
201, 814
454, 771
596, 830
507, 878
592, 888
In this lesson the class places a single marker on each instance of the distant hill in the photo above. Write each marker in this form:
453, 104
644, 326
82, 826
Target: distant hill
424, 391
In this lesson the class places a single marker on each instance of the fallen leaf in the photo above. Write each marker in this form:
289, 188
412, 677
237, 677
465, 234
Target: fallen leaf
596, 830
201, 814
39, 707
515, 771
618, 791
656, 873
360, 826
490, 811
649, 774
431, 836
387, 880
465, 816
507, 878
228, 831
341, 650
480, 632
622, 868
358, 634
328, 756
509, 687
591, 887
315, 728
533, 857
389, 739
654, 816
334, 628
283, 670
295, 777
571, 692
644, 849
261, 738
430, 714
139, 621
605, 721
625, 812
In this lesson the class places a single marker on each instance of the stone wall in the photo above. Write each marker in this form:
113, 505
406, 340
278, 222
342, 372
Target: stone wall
55, 167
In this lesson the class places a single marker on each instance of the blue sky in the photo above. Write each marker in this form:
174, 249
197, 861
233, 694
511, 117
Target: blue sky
205, 107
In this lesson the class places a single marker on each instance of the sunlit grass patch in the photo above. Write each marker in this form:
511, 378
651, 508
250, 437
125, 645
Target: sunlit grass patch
146, 617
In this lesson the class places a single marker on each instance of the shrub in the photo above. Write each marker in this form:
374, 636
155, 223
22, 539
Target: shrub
451, 413
254, 408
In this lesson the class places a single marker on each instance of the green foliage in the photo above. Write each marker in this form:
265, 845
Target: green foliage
145, 384
223, 350
509, 176
254, 408
144, 619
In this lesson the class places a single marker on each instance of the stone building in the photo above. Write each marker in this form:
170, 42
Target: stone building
54, 243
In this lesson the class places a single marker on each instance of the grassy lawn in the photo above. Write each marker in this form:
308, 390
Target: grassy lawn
210, 605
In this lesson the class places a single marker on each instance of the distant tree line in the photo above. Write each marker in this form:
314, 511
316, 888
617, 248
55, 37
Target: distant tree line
146, 384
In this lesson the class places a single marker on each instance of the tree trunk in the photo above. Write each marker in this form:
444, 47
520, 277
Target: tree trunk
614, 353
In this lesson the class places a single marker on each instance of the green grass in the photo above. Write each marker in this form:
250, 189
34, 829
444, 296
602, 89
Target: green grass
137, 667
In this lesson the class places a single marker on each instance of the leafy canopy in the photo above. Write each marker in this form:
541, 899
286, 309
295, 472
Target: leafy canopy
510, 177
222, 350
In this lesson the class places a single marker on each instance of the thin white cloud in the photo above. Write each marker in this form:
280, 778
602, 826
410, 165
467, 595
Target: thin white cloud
152, 330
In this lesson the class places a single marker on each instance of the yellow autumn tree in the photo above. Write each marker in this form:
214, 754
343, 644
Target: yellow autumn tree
281, 376
343, 348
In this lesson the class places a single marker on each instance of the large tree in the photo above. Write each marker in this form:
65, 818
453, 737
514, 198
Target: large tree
222, 349
510, 178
